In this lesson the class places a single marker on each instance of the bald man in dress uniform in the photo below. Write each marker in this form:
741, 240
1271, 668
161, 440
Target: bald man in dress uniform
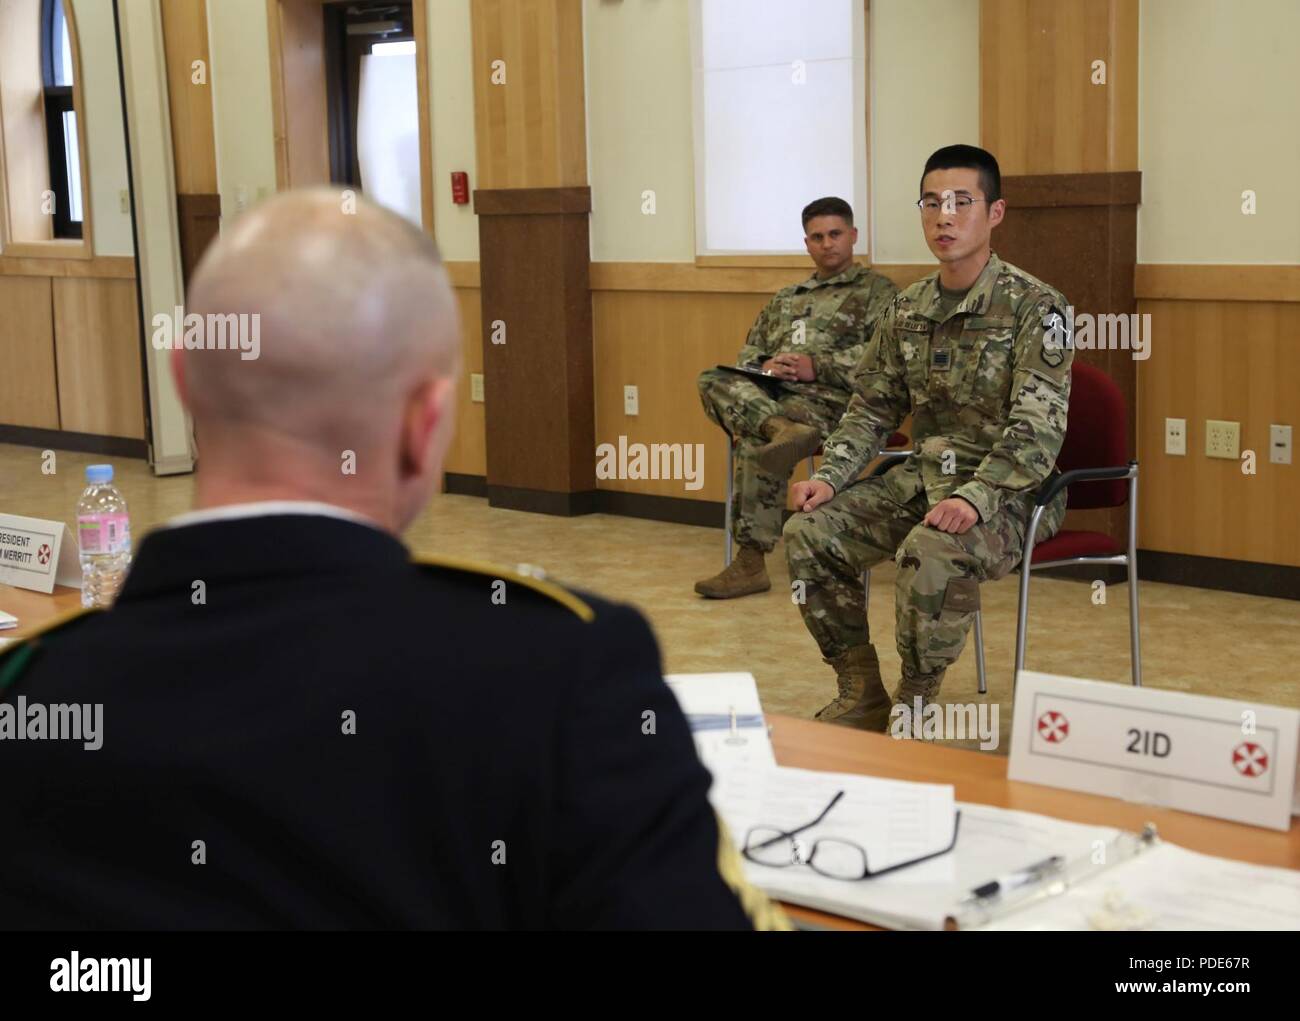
303, 725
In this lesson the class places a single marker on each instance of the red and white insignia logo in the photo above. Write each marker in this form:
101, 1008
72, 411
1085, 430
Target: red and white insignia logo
1053, 727
43, 554
1249, 759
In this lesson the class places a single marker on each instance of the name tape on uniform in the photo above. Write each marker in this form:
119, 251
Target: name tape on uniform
1212, 756
37, 554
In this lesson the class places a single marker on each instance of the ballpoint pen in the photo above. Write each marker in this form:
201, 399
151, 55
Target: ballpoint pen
1014, 880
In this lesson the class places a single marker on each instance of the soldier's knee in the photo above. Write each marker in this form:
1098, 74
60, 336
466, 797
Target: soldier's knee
707, 379
924, 543
801, 532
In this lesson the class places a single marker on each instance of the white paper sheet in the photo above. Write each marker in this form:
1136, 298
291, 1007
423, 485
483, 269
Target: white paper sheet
708, 700
1171, 888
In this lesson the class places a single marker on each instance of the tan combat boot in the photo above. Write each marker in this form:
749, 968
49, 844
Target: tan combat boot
912, 688
863, 702
788, 444
744, 576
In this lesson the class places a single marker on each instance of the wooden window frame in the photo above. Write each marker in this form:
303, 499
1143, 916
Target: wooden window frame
52, 248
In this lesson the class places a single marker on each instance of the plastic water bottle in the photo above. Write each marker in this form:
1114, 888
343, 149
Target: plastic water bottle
103, 536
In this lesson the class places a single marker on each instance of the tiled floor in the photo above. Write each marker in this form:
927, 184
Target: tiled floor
1215, 643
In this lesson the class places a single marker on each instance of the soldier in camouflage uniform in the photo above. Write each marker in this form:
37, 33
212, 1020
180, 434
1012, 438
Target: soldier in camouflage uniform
810, 337
983, 367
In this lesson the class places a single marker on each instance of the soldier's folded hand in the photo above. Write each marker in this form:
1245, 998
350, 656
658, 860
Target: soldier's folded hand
793, 367
811, 494
952, 515
802, 365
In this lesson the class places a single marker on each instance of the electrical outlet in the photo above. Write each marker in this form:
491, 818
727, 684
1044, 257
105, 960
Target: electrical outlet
1279, 444
476, 387
1222, 439
124, 202
1176, 436
631, 401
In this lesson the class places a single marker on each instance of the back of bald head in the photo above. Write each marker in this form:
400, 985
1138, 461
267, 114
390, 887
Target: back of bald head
354, 312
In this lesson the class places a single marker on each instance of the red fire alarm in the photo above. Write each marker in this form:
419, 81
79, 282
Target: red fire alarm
460, 187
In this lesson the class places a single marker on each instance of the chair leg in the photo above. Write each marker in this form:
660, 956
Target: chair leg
731, 485
1022, 625
1135, 635
979, 652
1022, 611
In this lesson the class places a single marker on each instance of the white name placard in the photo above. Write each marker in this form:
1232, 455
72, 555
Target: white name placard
37, 554
1212, 756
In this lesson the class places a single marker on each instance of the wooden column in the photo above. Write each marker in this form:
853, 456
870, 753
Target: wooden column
1064, 129
194, 152
534, 255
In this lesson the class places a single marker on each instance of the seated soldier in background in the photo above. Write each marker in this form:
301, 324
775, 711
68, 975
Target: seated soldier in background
809, 338
302, 727
978, 354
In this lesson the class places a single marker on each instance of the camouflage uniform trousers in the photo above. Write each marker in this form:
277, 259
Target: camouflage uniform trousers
937, 586
741, 407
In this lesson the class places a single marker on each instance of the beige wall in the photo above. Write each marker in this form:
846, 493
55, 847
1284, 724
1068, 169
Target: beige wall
451, 97
639, 129
639, 119
925, 76
241, 98
105, 130
1218, 114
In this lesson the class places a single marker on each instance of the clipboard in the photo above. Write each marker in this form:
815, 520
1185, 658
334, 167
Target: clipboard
767, 381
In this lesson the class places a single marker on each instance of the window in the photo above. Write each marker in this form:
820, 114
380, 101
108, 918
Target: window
780, 119
61, 120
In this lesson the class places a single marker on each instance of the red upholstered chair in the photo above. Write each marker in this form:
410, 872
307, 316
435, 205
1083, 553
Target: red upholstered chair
1096, 470
890, 453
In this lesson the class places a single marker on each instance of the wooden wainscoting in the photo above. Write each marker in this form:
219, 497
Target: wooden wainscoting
467, 454
96, 324
1237, 361
28, 389
661, 341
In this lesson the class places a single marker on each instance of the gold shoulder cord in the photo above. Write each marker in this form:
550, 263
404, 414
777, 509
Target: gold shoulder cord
554, 592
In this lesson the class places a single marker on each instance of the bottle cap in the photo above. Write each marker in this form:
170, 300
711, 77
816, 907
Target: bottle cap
98, 474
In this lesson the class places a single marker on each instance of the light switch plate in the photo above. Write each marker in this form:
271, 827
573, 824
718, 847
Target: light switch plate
476, 387
631, 401
1176, 436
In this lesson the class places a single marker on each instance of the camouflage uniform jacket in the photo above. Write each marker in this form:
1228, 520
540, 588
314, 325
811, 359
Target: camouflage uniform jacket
988, 396
837, 317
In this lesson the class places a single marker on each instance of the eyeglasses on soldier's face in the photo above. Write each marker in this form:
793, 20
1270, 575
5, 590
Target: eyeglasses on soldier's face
930, 206
832, 857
